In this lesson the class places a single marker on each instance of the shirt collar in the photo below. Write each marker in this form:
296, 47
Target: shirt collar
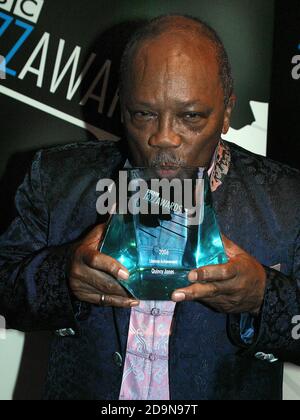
222, 161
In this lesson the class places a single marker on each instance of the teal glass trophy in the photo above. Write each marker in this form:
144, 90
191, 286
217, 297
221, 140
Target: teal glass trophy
162, 226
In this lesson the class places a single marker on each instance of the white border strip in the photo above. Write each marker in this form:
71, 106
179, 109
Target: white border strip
97, 132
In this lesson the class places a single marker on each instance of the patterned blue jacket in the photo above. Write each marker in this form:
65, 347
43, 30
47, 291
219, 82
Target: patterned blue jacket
257, 206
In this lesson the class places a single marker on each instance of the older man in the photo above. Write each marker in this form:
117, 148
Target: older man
225, 338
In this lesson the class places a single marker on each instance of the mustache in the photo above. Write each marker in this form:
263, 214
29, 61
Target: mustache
166, 158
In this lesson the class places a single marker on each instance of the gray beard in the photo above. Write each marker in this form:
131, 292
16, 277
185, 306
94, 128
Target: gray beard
166, 158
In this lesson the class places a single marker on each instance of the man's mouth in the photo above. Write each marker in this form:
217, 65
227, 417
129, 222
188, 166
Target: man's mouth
167, 170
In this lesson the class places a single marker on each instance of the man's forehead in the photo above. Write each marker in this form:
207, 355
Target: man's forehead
177, 51
175, 42
177, 59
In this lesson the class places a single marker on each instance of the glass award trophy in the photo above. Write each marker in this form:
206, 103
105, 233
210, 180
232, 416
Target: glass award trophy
162, 226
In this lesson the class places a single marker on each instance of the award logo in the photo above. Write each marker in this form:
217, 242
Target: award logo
69, 71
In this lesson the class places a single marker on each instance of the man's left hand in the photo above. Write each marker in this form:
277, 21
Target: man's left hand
235, 287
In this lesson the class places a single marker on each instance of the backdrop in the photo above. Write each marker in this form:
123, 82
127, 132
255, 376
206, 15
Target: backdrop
59, 84
284, 144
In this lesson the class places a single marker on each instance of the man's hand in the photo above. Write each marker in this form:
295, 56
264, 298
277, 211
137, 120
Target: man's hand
93, 274
235, 287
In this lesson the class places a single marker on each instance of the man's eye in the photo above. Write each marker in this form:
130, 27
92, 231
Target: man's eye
192, 116
143, 115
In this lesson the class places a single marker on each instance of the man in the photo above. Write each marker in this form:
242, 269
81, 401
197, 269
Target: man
224, 338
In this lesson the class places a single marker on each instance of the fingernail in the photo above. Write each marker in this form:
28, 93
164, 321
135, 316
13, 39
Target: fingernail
193, 276
178, 296
134, 303
123, 275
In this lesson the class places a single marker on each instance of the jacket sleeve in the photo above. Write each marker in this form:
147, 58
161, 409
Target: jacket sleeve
276, 331
34, 291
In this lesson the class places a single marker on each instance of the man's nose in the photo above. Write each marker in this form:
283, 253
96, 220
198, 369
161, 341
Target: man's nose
165, 136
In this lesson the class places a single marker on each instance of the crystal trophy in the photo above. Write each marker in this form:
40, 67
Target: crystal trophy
162, 226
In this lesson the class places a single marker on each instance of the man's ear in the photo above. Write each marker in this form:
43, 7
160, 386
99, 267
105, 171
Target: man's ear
227, 115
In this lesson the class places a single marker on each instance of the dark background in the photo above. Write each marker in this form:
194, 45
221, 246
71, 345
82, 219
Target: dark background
284, 121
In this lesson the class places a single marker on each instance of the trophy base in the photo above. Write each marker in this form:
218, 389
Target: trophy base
155, 283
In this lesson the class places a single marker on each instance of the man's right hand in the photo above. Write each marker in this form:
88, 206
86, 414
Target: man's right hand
93, 275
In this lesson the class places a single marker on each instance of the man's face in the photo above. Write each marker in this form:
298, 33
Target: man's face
173, 102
